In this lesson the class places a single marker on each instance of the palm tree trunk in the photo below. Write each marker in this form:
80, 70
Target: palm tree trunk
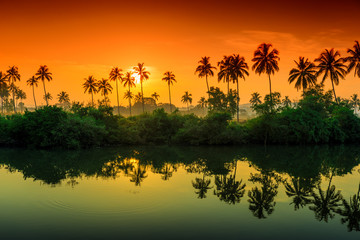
47, 104
142, 96
170, 98
228, 85
333, 87
117, 94
92, 99
34, 96
187, 104
271, 100
238, 100
130, 100
207, 84
13, 93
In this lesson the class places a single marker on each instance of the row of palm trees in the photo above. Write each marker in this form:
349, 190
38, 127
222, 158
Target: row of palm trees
266, 61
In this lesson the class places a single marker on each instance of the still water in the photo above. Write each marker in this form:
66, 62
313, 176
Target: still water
181, 193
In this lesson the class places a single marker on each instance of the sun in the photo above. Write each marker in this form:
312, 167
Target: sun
137, 78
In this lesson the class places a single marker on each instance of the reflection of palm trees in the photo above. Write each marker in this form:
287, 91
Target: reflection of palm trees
326, 202
202, 185
138, 175
299, 191
351, 212
229, 190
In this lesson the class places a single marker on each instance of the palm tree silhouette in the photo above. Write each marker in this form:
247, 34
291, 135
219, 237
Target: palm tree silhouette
144, 75
169, 78
266, 61
13, 75
205, 69
354, 101
225, 71
3, 89
20, 94
229, 190
90, 85
255, 99
351, 212
238, 69
63, 97
138, 97
155, 96
202, 185
129, 81
332, 66
104, 88
304, 75
44, 74
116, 75
354, 59
47, 97
33, 82
138, 175
326, 202
202, 102
299, 191
187, 98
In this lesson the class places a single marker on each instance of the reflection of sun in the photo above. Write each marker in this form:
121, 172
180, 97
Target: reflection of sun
137, 77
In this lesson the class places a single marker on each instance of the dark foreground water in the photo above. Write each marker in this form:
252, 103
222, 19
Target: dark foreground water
181, 193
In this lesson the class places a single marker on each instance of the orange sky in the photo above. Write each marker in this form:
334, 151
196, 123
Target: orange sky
90, 37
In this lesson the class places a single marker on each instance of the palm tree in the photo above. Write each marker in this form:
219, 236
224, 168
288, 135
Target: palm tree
104, 88
155, 96
144, 75
138, 175
255, 99
63, 97
138, 97
202, 185
116, 75
229, 190
44, 74
90, 85
33, 82
332, 66
224, 71
169, 78
205, 69
20, 94
3, 89
304, 75
238, 69
47, 97
354, 59
351, 212
13, 75
299, 191
355, 102
129, 81
266, 61
187, 98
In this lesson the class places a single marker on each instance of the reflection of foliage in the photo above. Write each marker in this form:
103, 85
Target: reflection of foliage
262, 200
299, 190
202, 186
166, 171
138, 175
229, 190
326, 202
351, 212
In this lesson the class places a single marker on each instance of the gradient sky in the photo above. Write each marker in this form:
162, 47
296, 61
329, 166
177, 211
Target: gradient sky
82, 38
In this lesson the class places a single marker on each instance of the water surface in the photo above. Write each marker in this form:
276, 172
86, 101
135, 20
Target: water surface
181, 193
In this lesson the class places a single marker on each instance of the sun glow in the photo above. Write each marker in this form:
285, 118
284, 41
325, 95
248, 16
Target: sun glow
137, 78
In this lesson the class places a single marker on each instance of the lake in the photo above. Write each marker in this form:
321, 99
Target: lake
162, 192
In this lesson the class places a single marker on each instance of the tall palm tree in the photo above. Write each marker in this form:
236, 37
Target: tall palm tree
351, 212
304, 75
115, 75
202, 185
205, 69
144, 75
63, 97
238, 69
299, 191
354, 59
20, 94
13, 75
90, 85
129, 81
228, 189
169, 78
187, 98
266, 61
332, 66
33, 82
44, 74
255, 99
104, 88
224, 71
